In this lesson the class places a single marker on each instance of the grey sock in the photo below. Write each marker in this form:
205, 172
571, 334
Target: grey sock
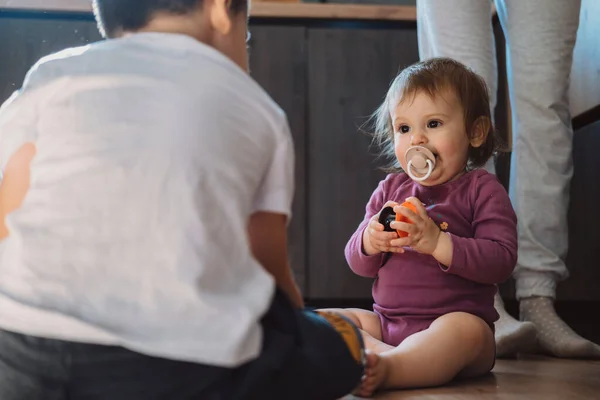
554, 335
512, 336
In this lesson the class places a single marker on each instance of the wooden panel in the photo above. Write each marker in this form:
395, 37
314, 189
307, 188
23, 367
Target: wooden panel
265, 9
335, 11
349, 73
502, 118
26, 40
584, 219
278, 63
502, 112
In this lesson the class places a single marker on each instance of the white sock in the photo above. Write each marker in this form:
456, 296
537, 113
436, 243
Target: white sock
512, 336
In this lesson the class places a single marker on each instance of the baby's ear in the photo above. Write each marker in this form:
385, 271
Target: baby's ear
479, 131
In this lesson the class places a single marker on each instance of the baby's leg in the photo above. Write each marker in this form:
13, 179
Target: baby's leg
369, 324
456, 344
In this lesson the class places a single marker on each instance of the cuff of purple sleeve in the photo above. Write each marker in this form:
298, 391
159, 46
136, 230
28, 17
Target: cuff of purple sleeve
457, 256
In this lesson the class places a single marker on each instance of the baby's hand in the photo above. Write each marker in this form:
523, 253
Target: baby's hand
423, 233
376, 240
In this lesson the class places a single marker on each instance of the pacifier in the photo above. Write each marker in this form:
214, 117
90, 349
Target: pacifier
420, 163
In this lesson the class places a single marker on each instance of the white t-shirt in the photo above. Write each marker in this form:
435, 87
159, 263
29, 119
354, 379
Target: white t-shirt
152, 152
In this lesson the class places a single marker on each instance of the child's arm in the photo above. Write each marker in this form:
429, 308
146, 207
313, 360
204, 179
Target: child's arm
15, 183
268, 241
359, 261
271, 211
490, 256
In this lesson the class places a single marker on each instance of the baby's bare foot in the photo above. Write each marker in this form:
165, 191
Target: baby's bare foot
375, 373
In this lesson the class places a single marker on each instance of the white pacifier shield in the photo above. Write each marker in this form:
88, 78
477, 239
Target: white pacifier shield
420, 163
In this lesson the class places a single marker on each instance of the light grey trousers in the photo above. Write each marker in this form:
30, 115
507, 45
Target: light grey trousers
540, 37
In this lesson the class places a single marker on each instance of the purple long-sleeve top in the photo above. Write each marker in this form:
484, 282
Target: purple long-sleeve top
476, 212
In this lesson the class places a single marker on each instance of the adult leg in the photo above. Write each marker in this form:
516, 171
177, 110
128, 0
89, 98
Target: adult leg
455, 345
540, 38
462, 29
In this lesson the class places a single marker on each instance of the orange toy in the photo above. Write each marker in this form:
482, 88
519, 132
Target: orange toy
402, 218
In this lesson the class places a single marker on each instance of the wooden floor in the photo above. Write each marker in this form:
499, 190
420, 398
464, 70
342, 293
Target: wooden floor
530, 378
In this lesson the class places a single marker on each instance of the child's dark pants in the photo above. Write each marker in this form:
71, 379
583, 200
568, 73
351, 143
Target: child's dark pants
302, 358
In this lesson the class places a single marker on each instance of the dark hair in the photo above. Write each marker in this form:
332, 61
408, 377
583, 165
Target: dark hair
115, 16
434, 76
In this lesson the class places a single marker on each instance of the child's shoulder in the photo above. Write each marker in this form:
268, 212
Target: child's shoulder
481, 179
54, 65
486, 187
66, 54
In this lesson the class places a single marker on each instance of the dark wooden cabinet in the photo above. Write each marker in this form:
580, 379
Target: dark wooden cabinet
26, 39
584, 217
349, 73
329, 80
278, 63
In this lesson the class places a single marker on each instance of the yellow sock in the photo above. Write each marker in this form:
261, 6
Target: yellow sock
349, 333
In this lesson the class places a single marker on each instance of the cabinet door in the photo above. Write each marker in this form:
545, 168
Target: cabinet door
584, 219
278, 63
27, 39
349, 73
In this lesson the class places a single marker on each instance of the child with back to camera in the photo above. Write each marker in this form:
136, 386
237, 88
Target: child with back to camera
142, 256
433, 316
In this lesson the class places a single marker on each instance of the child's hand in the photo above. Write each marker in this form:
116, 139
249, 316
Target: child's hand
423, 233
375, 239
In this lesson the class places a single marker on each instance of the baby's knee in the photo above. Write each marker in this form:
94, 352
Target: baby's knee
478, 344
467, 327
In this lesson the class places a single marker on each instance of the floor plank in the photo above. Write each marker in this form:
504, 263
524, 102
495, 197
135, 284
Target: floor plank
530, 378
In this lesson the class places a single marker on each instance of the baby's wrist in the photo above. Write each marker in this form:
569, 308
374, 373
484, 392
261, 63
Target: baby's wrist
443, 251
438, 240
367, 248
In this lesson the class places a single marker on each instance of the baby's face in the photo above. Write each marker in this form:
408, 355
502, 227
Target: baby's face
437, 124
